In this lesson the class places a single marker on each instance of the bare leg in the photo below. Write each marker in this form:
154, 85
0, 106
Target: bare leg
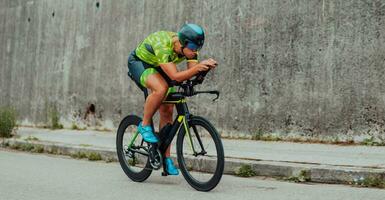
165, 112
158, 87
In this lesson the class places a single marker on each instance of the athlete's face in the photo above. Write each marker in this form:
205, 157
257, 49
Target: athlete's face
190, 54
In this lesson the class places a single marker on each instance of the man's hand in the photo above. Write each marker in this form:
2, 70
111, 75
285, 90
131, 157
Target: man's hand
200, 67
209, 62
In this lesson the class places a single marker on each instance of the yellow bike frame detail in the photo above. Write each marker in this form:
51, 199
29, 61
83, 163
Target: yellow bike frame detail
180, 118
175, 102
187, 131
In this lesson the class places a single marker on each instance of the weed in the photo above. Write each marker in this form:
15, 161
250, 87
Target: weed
79, 155
7, 121
85, 145
272, 138
371, 142
110, 159
370, 182
374, 182
94, 156
38, 149
303, 176
5, 144
15, 146
74, 127
53, 150
27, 147
245, 171
132, 161
31, 138
54, 116
258, 135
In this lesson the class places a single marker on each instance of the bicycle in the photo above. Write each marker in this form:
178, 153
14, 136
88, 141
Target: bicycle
206, 161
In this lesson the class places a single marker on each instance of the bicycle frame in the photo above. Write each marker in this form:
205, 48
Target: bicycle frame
182, 124
180, 120
179, 99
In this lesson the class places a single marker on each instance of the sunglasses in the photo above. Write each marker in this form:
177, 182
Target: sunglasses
192, 46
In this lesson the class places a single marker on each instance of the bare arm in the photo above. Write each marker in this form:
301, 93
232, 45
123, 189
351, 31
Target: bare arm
172, 72
209, 62
191, 63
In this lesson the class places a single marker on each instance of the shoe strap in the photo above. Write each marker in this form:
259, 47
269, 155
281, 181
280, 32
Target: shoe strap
169, 161
147, 128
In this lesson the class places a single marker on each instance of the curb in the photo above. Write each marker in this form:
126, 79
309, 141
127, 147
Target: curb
299, 172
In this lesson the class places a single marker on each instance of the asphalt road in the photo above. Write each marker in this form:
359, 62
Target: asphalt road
39, 176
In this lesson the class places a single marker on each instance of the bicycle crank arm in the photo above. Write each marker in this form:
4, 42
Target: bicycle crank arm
139, 152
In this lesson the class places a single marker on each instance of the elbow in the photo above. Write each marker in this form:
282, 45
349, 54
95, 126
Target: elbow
175, 77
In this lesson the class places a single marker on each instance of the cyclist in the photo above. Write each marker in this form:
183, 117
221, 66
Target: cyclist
153, 65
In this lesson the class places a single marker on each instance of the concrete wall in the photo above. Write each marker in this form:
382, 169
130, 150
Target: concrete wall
302, 66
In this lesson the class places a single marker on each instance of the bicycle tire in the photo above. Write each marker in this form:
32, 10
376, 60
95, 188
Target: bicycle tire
217, 174
141, 176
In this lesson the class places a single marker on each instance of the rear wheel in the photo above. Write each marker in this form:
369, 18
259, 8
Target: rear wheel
201, 159
134, 161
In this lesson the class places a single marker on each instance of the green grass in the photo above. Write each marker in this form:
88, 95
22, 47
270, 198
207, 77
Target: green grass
54, 117
266, 137
333, 140
85, 145
74, 127
5, 144
110, 159
53, 150
35, 148
7, 121
245, 171
94, 156
132, 162
79, 155
376, 182
15, 146
304, 176
38, 149
27, 147
372, 142
31, 138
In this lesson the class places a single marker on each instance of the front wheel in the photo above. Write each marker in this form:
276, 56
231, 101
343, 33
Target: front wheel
200, 154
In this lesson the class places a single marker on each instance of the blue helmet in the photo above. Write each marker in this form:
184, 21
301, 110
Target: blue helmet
192, 36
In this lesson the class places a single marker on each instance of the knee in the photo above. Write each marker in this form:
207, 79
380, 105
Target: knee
157, 84
161, 89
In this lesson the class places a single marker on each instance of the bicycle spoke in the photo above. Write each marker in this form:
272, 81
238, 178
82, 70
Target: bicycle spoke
201, 141
198, 138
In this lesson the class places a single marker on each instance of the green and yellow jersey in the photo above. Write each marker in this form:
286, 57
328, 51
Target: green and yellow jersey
157, 48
